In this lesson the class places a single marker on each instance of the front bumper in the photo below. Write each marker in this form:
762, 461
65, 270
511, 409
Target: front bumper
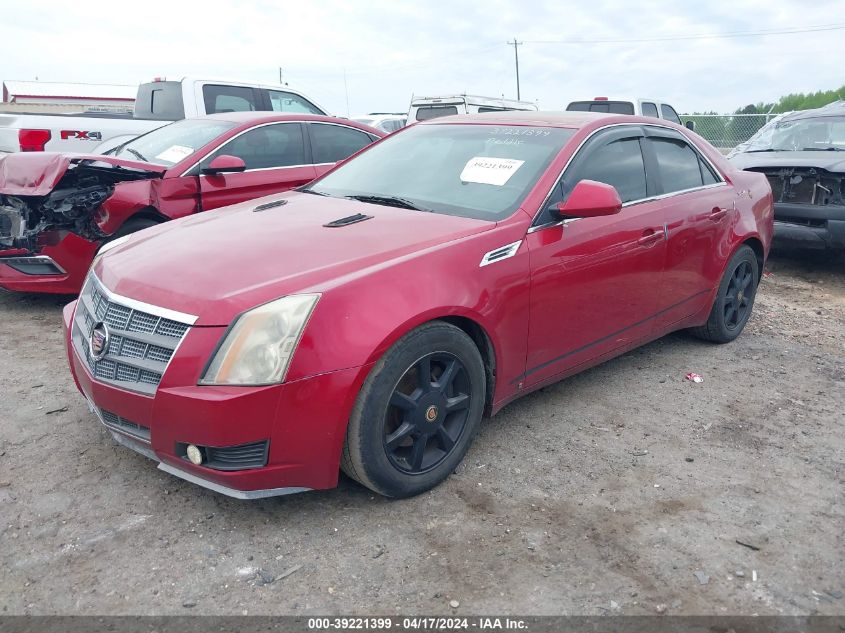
810, 226
304, 421
55, 269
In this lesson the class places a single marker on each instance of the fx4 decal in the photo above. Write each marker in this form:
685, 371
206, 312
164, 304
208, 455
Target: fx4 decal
82, 136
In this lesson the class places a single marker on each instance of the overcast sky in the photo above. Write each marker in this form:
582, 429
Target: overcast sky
391, 49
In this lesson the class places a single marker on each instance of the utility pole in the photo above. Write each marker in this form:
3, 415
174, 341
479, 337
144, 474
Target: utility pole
281, 83
516, 46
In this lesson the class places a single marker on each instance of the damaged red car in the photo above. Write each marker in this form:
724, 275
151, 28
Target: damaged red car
369, 321
56, 210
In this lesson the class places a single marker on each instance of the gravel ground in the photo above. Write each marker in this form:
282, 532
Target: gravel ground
622, 490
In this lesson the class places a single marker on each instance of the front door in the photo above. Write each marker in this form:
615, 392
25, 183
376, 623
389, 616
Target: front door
275, 160
596, 283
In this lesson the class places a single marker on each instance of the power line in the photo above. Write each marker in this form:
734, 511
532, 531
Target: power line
675, 38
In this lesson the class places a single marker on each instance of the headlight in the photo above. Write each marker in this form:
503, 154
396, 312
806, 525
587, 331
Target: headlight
105, 248
259, 345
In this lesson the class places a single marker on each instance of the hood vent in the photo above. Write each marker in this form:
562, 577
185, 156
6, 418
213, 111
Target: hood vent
349, 219
269, 205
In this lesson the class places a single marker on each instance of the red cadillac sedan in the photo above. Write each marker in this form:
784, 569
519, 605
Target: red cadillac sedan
57, 209
370, 320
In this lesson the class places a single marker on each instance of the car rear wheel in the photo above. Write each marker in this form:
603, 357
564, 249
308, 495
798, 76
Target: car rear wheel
734, 299
417, 412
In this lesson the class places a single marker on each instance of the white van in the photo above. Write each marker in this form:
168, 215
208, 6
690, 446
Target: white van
425, 108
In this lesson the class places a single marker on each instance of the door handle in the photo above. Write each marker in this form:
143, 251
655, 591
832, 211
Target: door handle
650, 236
718, 213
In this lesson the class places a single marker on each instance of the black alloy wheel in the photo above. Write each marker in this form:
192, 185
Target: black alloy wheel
427, 413
738, 296
417, 412
734, 298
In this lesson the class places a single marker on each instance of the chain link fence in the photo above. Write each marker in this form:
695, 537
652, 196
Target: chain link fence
726, 131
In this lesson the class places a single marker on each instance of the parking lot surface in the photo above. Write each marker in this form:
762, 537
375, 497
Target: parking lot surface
626, 489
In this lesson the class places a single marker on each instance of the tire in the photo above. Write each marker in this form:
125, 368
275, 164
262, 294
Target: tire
397, 412
734, 299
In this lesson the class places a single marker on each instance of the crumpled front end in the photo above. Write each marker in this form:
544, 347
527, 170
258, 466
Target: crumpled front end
809, 205
58, 193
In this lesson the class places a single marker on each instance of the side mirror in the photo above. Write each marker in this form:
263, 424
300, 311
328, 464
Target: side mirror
690, 125
590, 199
224, 164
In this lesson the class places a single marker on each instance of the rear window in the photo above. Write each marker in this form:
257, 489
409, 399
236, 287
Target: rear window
161, 100
612, 107
426, 113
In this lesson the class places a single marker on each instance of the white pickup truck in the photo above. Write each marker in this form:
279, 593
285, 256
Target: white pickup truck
158, 103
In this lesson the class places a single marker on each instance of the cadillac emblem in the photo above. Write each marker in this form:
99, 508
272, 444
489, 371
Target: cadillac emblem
98, 342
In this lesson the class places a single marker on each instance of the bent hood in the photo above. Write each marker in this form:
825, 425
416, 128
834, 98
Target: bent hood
831, 161
38, 173
217, 264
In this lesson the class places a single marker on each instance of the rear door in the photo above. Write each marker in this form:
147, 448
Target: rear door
699, 210
331, 142
596, 283
276, 160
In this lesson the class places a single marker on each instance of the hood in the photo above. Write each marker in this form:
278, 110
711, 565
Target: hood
831, 161
217, 264
38, 173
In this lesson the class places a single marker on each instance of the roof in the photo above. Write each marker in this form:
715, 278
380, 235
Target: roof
837, 108
474, 99
50, 89
244, 118
528, 117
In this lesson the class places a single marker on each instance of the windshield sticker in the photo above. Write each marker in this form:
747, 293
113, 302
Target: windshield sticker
175, 153
490, 171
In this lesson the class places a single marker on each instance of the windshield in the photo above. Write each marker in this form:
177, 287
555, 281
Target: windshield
822, 133
476, 171
172, 143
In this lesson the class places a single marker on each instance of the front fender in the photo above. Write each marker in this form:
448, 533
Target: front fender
356, 322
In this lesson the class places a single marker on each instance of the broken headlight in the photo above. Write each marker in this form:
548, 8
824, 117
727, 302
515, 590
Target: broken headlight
258, 347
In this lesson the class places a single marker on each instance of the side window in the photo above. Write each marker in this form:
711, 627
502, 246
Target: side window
649, 109
289, 102
483, 109
619, 163
425, 113
278, 145
331, 143
669, 113
678, 163
228, 99
707, 175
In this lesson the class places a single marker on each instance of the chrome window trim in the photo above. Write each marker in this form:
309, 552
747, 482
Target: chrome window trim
722, 180
241, 133
166, 313
247, 171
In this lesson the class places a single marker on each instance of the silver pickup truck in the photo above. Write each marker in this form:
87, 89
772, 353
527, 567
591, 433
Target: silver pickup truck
157, 103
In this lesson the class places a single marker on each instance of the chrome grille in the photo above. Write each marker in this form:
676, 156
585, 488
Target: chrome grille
141, 341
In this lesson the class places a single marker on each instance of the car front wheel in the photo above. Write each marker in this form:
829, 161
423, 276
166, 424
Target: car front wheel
417, 412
